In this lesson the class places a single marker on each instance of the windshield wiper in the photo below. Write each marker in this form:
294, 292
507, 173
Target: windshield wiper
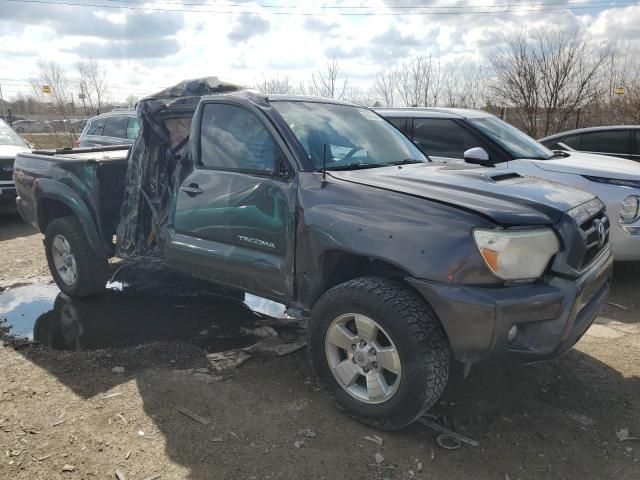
356, 166
406, 161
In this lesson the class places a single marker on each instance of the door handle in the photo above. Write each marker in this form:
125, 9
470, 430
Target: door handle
192, 189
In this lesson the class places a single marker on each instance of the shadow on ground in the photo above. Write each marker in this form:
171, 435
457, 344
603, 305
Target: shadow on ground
553, 420
12, 226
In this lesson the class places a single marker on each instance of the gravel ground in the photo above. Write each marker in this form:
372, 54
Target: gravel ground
88, 414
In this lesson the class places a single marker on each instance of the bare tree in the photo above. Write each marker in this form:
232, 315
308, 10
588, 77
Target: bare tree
327, 83
276, 85
59, 97
547, 76
420, 81
92, 84
385, 86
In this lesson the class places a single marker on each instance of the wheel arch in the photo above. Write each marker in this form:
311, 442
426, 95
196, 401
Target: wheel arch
56, 200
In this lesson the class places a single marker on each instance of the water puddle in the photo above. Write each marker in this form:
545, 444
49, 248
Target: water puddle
140, 305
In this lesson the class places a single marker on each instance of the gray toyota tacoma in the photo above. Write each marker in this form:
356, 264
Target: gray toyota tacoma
401, 265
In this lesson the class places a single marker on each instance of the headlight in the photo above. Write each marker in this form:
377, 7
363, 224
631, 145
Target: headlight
614, 181
517, 254
630, 210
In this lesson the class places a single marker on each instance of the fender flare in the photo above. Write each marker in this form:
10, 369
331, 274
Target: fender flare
51, 189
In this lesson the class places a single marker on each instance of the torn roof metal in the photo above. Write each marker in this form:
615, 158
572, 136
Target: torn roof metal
150, 180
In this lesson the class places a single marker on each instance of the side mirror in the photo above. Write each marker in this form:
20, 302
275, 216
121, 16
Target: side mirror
477, 156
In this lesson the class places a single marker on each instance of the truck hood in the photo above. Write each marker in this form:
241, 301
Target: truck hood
11, 150
505, 198
592, 165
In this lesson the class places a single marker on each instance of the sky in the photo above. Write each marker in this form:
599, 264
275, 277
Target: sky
146, 46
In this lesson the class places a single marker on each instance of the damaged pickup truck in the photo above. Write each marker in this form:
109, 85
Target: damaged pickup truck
401, 264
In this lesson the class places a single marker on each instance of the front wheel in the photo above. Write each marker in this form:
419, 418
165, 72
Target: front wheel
76, 268
380, 351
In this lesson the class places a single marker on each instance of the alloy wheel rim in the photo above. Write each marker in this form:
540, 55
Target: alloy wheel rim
362, 358
63, 260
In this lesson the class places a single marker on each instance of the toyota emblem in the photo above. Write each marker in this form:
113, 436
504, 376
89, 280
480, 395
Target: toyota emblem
602, 234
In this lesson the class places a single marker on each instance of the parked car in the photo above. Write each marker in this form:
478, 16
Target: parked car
620, 141
31, 126
473, 136
10, 145
113, 128
325, 207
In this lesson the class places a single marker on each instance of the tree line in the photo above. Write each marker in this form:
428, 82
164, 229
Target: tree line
542, 81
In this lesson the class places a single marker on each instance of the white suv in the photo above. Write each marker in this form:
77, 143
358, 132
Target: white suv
474, 136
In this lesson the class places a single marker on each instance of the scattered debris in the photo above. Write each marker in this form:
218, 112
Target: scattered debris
265, 331
141, 433
375, 439
44, 457
299, 443
120, 474
117, 370
418, 466
379, 458
216, 439
306, 432
126, 457
447, 438
58, 422
121, 417
111, 395
229, 359
274, 347
193, 416
201, 370
153, 477
623, 435
68, 468
621, 307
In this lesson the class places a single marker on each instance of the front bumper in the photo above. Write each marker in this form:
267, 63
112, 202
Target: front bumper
8, 196
551, 316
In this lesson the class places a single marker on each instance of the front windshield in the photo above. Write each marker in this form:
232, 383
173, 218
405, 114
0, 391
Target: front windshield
354, 137
9, 137
517, 143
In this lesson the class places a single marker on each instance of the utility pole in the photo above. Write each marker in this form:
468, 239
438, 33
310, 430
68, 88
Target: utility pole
4, 113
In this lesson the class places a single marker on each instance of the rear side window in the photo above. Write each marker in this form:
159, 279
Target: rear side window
443, 137
637, 142
401, 124
233, 138
115, 127
611, 141
96, 126
572, 141
133, 128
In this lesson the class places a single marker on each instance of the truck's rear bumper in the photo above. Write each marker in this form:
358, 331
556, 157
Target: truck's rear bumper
551, 316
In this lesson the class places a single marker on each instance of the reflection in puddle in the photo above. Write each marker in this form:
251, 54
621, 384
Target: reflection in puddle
144, 305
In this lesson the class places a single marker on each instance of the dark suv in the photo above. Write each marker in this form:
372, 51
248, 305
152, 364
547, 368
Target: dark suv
113, 128
617, 141
10, 145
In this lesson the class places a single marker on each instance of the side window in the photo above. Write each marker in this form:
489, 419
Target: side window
234, 138
133, 128
572, 141
96, 126
400, 124
637, 142
443, 137
115, 127
608, 141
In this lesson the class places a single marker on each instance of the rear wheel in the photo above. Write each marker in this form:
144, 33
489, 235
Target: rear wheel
76, 268
380, 350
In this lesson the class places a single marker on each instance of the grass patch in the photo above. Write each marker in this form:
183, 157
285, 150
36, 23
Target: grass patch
42, 141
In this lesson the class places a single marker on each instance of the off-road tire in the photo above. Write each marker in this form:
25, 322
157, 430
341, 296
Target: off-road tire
414, 329
92, 269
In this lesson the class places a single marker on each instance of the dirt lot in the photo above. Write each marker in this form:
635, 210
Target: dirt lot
50, 140
70, 410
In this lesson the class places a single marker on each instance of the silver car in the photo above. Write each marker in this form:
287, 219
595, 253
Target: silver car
10, 144
114, 128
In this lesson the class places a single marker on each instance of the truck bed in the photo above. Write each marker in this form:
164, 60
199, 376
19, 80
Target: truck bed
95, 176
